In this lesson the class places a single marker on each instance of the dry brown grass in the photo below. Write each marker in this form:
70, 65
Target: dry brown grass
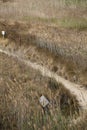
20, 89
19, 9
67, 48
55, 36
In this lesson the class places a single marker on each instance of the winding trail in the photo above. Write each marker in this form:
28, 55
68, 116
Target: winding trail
75, 89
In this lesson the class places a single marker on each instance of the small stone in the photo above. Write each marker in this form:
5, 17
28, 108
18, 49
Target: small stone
43, 101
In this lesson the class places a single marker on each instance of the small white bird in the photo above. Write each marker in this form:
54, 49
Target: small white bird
3, 34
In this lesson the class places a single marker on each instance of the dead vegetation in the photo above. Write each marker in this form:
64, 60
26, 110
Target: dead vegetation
20, 90
19, 9
52, 34
69, 59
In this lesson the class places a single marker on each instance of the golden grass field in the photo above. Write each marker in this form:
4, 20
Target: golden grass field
52, 34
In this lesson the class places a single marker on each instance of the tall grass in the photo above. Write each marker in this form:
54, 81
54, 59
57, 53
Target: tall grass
40, 8
65, 22
73, 23
75, 2
40, 121
74, 51
23, 113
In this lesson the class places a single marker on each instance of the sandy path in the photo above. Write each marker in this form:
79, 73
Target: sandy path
75, 89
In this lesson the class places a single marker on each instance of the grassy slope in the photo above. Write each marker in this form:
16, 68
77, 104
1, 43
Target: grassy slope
15, 82
67, 48
20, 89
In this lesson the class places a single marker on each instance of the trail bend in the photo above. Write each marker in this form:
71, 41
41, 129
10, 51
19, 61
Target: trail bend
75, 89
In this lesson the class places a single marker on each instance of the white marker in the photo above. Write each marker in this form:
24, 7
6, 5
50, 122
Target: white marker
43, 101
3, 33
